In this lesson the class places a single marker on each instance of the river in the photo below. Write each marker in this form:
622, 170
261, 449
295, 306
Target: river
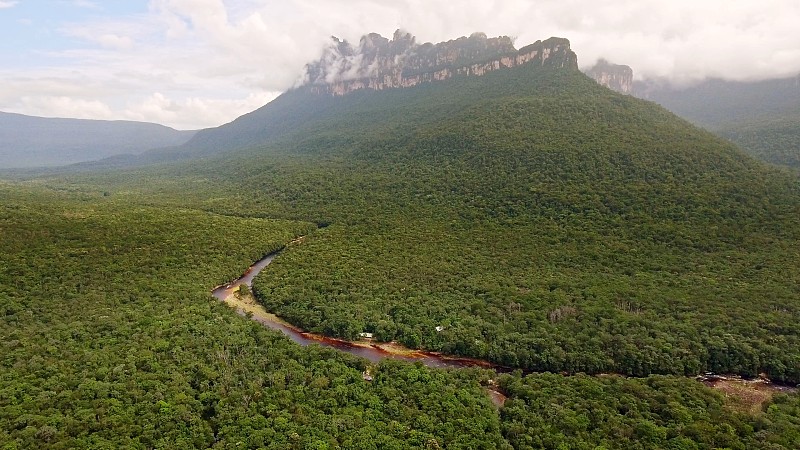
375, 351
365, 349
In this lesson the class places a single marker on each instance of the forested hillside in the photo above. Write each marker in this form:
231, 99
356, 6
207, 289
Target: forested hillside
112, 340
762, 117
775, 138
528, 217
543, 221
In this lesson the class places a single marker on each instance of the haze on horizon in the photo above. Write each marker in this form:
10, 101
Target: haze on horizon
199, 63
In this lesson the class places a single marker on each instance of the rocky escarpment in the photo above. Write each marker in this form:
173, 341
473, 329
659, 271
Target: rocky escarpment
616, 77
379, 63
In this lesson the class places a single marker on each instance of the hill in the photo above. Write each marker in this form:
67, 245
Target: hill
762, 117
542, 221
27, 141
523, 215
376, 64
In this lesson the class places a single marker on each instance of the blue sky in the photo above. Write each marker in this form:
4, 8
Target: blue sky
32, 26
200, 63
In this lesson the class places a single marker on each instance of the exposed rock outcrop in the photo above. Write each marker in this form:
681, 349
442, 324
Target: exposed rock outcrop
378, 63
616, 77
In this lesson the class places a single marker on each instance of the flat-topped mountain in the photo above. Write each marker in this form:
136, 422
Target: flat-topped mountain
378, 63
381, 65
617, 77
527, 217
537, 219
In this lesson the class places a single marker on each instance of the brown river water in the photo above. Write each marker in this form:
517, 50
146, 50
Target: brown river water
365, 349
376, 352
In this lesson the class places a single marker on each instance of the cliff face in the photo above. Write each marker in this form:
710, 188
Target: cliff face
378, 63
613, 76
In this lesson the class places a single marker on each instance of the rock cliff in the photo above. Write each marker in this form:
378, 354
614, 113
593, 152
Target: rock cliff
379, 63
613, 76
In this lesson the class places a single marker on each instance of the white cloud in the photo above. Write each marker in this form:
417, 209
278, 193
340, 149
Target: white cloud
184, 114
7, 4
211, 59
63, 106
108, 40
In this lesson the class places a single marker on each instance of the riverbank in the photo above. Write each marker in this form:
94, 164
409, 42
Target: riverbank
246, 305
748, 395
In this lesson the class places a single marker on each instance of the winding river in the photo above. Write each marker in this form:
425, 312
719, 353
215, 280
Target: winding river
379, 351
365, 349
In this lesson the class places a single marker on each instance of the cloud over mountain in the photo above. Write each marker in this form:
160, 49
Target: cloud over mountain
211, 60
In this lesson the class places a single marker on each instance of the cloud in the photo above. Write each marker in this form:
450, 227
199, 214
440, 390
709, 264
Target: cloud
7, 4
686, 41
86, 98
183, 113
210, 59
63, 106
109, 39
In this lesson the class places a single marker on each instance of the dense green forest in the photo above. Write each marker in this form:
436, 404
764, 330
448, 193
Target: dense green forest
541, 221
775, 139
581, 412
112, 340
549, 224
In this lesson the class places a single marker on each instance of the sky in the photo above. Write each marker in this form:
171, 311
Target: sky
193, 64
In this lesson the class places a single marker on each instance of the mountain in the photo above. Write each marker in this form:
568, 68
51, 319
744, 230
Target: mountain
378, 63
539, 219
616, 77
762, 117
375, 64
527, 216
27, 141
714, 102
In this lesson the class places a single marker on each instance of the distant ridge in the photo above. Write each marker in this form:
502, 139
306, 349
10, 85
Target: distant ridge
763, 117
29, 141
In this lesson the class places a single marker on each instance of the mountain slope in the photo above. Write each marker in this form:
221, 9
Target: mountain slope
527, 216
396, 64
762, 117
774, 138
27, 141
543, 221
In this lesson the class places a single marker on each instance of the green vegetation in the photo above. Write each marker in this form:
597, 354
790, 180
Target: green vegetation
551, 411
775, 139
542, 221
551, 226
111, 340
761, 117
